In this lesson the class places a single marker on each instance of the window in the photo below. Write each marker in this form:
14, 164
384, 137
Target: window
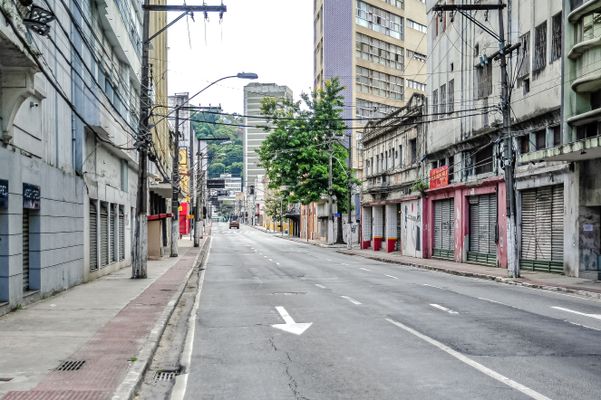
586, 131
417, 26
540, 139
526, 84
414, 55
379, 20
396, 3
443, 99
525, 144
124, 176
540, 48
484, 160
525, 55
556, 39
413, 150
379, 83
401, 156
451, 96
483, 82
434, 103
380, 52
370, 109
556, 135
377, 164
595, 100
591, 26
411, 84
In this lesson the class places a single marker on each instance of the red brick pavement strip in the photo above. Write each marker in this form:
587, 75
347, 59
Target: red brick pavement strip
109, 354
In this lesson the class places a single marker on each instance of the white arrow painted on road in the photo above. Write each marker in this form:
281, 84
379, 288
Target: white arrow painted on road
297, 328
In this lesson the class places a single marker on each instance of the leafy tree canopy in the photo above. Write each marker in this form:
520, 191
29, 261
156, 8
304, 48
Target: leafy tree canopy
295, 154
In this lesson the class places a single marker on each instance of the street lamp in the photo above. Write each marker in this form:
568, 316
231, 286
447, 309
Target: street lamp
174, 202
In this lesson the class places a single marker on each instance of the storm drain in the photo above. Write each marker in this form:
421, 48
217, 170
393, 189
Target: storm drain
71, 365
166, 375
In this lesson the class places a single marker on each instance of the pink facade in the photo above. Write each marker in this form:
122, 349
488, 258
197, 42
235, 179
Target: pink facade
460, 194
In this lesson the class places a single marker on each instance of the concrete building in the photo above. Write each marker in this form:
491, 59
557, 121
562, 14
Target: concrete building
254, 135
378, 50
391, 201
67, 165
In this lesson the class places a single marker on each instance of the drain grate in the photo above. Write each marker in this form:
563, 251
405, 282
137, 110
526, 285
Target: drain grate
166, 375
71, 365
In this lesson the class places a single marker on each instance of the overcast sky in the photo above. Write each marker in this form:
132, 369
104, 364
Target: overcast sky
273, 38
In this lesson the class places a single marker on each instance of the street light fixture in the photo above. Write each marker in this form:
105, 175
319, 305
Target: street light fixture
175, 181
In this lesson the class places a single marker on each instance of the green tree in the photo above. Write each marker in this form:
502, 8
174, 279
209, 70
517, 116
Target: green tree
296, 152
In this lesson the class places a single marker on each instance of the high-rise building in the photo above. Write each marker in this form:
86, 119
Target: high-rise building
254, 134
377, 49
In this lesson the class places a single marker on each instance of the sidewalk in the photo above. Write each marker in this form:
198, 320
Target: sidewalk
111, 326
535, 279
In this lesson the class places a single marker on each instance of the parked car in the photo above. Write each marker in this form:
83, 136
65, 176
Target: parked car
234, 223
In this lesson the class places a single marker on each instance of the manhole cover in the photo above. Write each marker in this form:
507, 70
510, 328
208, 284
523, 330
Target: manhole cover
71, 365
166, 375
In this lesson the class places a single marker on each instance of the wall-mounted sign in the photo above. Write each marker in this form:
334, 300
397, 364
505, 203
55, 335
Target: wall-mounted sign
31, 196
3, 193
439, 177
216, 183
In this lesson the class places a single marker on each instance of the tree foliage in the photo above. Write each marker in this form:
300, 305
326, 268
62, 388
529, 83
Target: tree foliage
222, 157
295, 154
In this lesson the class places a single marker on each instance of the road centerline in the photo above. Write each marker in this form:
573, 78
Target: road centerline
355, 302
595, 316
441, 308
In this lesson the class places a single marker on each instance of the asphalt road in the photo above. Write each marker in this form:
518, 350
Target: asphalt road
380, 331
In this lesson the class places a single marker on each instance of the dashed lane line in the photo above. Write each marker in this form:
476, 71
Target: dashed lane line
320, 286
355, 302
441, 308
365, 269
466, 360
392, 276
595, 316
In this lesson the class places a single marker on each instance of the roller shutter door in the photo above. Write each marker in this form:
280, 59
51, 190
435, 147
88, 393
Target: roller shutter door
104, 235
93, 236
542, 229
114, 235
121, 234
25, 250
483, 228
399, 221
444, 229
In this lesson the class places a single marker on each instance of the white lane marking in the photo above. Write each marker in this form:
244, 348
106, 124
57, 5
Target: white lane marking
181, 381
297, 328
464, 359
320, 286
277, 263
432, 286
582, 326
365, 269
391, 276
355, 302
344, 263
270, 260
438, 306
595, 316
265, 256
494, 301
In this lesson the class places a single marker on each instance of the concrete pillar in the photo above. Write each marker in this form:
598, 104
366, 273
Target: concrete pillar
391, 227
366, 227
378, 227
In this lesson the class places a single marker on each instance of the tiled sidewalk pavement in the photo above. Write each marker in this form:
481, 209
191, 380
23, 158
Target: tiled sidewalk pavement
109, 323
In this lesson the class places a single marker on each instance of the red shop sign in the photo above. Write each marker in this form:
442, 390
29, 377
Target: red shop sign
439, 177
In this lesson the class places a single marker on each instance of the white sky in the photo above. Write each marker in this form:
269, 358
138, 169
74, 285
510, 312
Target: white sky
273, 38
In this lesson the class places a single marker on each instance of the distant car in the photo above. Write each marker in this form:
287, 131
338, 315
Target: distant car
234, 223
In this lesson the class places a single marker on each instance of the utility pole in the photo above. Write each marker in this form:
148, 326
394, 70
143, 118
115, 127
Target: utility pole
349, 238
330, 238
175, 188
513, 265
140, 247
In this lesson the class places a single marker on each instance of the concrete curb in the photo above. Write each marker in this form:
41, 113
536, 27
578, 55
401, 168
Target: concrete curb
128, 387
507, 281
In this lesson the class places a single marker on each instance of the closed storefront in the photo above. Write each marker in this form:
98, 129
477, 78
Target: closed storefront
483, 229
104, 234
444, 229
121, 234
398, 227
93, 236
26, 241
542, 229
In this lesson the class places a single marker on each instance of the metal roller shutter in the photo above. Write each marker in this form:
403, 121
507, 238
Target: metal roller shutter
398, 227
104, 235
483, 227
114, 234
121, 234
25, 250
444, 229
93, 236
542, 229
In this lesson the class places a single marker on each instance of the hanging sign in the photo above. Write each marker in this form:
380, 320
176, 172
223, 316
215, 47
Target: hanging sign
31, 196
3, 193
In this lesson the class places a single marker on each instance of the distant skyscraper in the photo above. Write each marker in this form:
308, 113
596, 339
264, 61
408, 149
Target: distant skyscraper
254, 134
